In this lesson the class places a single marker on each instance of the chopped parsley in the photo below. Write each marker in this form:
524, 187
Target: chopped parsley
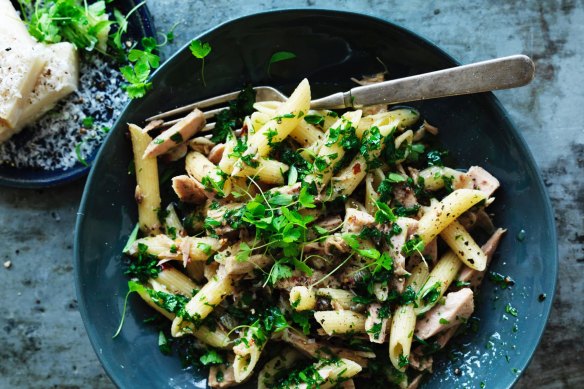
211, 357
231, 118
176, 137
413, 245
316, 120
510, 310
144, 266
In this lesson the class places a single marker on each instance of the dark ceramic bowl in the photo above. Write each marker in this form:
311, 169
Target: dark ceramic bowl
139, 25
331, 47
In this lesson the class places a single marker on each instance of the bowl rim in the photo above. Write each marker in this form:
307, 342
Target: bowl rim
491, 98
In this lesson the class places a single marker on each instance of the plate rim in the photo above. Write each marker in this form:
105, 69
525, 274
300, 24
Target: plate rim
58, 177
548, 211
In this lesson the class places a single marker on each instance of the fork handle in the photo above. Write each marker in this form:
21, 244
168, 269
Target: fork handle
499, 73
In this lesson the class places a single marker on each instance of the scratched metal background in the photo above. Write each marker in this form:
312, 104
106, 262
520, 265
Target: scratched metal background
42, 339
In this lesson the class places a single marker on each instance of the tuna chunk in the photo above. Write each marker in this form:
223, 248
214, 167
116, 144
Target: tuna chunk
228, 379
176, 135
216, 153
189, 190
457, 308
405, 196
421, 362
483, 180
355, 220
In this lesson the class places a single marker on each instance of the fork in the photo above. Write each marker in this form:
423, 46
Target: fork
500, 73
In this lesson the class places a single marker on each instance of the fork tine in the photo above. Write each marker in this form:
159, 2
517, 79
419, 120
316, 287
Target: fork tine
200, 104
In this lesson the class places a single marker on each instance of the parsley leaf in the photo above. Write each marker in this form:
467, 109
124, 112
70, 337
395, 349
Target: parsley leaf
200, 50
131, 238
413, 245
384, 214
305, 199
163, 343
279, 57
280, 271
211, 357
303, 320
316, 120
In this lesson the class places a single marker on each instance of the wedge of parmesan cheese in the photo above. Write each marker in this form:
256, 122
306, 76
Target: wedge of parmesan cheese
10, 23
59, 77
20, 67
21, 62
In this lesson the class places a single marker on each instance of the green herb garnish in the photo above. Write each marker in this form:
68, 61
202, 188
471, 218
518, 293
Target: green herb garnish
200, 50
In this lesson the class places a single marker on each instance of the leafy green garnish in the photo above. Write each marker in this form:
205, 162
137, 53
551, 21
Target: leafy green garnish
303, 320
85, 26
413, 245
163, 343
384, 214
231, 118
510, 310
403, 361
279, 57
141, 64
211, 357
144, 265
380, 260
431, 295
317, 120
204, 247
78, 154
87, 122
131, 238
200, 50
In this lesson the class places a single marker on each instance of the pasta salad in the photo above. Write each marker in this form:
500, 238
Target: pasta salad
313, 249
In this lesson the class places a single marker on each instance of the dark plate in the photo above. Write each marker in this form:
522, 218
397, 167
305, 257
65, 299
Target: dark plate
331, 47
139, 25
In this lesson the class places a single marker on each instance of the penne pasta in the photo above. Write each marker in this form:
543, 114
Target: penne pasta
448, 210
271, 370
331, 151
340, 299
302, 298
204, 171
435, 177
203, 303
400, 336
464, 246
278, 128
340, 322
268, 171
404, 322
438, 282
176, 282
147, 188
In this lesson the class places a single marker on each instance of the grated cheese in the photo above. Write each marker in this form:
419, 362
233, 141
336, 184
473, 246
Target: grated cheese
51, 142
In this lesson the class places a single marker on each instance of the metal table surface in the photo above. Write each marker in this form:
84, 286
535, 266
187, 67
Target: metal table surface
42, 338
